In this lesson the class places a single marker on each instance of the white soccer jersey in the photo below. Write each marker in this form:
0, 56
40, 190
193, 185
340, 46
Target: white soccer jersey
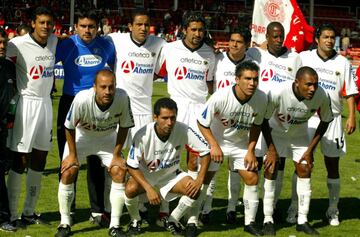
289, 116
85, 115
134, 68
225, 70
150, 154
275, 70
230, 120
334, 76
34, 65
187, 70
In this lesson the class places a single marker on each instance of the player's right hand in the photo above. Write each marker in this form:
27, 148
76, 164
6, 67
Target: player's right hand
216, 154
153, 197
69, 162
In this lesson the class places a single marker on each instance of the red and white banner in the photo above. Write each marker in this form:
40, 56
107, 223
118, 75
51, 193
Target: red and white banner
298, 34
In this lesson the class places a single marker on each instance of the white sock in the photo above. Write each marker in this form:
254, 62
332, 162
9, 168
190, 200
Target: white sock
184, 204
209, 196
269, 194
14, 189
193, 174
294, 196
107, 188
33, 186
132, 205
117, 194
278, 185
233, 190
65, 197
195, 210
304, 196
164, 207
334, 192
251, 202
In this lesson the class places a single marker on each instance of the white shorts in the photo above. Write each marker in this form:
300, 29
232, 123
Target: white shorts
103, 147
333, 142
291, 147
140, 120
261, 146
188, 111
32, 125
165, 182
235, 158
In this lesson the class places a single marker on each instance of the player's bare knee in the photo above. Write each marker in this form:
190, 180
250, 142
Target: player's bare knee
251, 178
269, 175
303, 171
118, 174
131, 188
69, 175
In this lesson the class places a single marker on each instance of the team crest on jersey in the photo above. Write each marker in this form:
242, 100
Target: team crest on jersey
127, 66
274, 10
36, 72
223, 83
284, 117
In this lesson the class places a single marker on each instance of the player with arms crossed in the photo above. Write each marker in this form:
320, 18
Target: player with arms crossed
91, 125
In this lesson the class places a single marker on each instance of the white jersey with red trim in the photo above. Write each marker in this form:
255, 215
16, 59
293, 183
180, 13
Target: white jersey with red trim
334, 76
86, 116
275, 70
230, 119
187, 70
34, 64
225, 70
134, 68
151, 154
288, 116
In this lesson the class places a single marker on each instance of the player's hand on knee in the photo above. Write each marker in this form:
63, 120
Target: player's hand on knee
117, 161
192, 188
69, 162
270, 161
153, 197
250, 162
308, 157
216, 154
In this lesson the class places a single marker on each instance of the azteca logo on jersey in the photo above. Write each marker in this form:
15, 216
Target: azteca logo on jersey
190, 74
39, 71
270, 75
138, 68
88, 60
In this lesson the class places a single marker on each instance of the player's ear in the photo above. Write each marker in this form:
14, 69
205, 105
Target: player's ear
130, 26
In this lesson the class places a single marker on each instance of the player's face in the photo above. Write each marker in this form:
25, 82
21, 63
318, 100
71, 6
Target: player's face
237, 45
306, 86
86, 29
140, 28
3, 45
194, 34
326, 41
275, 39
43, 26
247, 83
165, 121
104, 90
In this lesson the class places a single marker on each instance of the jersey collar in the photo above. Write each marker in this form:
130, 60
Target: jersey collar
40, 44
135, 42
161, 139
333, 54
192, 50
283, 51
235, 62
242, 102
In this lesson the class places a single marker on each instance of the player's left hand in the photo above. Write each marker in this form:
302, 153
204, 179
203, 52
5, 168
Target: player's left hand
309, 158
117, 161
350, 125
192, 188
270, 162
250, 161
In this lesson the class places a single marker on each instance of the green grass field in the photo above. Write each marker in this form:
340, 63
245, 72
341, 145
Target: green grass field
349, 202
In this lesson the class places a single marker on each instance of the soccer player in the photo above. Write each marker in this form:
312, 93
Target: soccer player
277, 65
290, 107
91, 125
31, 137
7, 91
225, 65
336, 79
189, 67
82, 56
231, 123
154, 164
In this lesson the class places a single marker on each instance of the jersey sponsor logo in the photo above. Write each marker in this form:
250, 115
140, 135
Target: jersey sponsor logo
293, 109
45, 58
229, 73
278, 66
127, 66
36, 72
192, 60
323, 70
327, 86
235, 124
267, 74
223, 83
284, 117
88, 60
201, 139
139, 55
138, 68
153, 165
180, 73
160, 152
189, 74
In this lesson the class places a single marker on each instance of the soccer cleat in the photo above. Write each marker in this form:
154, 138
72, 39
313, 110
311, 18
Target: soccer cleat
175, 228
101, 220
134, 228
7, 227
63, 231
191, 230
205, 218
116, 231
33, 219
292, 214
144, 216
18, 224
252, 229
162, 222
269, 229
307, 229
333, 217
231, 217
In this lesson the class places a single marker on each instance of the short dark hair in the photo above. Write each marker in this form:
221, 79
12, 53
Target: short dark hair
165, 103
274, 24
138, 12
41, 11
322, 27
23, 27
244, 32
86, 13
3, 33
105, 72
306, 70
192, 16
247, 65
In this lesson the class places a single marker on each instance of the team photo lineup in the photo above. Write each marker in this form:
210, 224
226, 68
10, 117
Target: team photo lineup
251, 107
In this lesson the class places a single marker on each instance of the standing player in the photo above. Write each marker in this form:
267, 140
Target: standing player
82, 56
91, 126
336, 79
277, 65
34, 57
290, 107
189, 66
154, 163
225, 65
